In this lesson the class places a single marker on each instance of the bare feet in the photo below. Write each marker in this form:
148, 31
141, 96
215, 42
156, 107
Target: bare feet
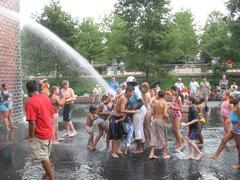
151, 157
60, 139
126, 152
179, 148
115, 156
198, 157
66, 134
138, 152
166, 156
56, 142
72, 134
14, 127
236, 166
190, 157
214, 157
119, 152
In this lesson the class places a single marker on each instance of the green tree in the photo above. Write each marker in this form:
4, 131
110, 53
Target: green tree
116, 37
59, 22
147, 23
215, 37
90, 40
40, 57
184, 38
234, 27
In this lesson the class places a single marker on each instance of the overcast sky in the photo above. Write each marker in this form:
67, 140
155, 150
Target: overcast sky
97, 8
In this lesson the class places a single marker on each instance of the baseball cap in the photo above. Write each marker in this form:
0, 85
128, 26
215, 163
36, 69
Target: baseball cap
179, 79
131, 79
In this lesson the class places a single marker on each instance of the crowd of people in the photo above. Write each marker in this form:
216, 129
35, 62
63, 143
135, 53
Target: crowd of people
134, 114
139, 114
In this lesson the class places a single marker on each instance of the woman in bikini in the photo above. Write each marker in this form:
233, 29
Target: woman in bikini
226, 109
177, 115
57, 104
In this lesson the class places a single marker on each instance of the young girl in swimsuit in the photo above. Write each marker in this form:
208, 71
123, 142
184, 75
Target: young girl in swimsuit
57, 104
103, 115
226, 108
233, 133
202, 120
194, 130
177, 115
145, 89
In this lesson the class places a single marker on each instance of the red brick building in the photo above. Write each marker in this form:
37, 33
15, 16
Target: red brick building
10, 57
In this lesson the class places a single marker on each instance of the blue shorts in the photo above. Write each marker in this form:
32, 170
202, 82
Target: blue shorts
194, 135
3, 107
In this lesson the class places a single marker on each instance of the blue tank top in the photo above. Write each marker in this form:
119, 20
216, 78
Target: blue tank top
235, 120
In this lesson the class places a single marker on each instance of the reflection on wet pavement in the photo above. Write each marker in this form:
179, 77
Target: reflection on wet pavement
72, 161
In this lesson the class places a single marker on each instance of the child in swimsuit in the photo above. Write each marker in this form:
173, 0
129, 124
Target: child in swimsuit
202, 120
103, 115
235, 118
194, 130
226, 108
92, 116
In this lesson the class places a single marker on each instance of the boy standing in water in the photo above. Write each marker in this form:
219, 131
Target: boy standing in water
68, 94
194, 130
39, 114
159, 127
92, 116
116, 130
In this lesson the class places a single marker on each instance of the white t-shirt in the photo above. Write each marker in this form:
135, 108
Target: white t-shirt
193, 86
179, 85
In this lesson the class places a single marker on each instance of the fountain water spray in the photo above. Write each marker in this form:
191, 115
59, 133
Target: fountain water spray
63, 49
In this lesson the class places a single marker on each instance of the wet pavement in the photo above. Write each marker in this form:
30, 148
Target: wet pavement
72, 160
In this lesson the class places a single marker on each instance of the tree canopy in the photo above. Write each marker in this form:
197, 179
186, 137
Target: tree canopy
215, 37
185, 39
144, 34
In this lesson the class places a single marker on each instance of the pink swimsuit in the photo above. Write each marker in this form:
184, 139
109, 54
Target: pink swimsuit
225, 109
176, 109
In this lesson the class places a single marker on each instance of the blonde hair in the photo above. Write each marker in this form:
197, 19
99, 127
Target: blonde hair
146, 86
65, 82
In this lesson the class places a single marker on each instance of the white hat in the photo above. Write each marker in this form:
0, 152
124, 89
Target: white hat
179, 79
131, 79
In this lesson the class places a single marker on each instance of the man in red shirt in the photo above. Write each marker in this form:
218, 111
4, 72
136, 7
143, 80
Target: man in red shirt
39, 113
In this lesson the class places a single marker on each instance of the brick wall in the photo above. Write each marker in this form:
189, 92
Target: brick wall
10, 58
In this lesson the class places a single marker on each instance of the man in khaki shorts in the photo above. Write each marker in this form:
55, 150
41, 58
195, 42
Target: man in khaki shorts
39, 112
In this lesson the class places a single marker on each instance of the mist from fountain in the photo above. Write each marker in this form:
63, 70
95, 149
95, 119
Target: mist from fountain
59, 47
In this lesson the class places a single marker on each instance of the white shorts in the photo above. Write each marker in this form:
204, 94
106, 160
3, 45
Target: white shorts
98, 121
138, 120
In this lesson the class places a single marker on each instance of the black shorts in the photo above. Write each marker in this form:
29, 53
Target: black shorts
67, 112
116, 130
